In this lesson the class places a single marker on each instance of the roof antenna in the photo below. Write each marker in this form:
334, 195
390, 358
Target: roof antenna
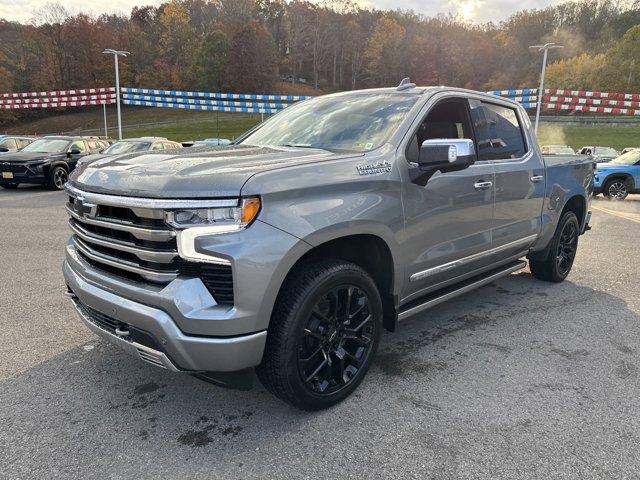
405, 84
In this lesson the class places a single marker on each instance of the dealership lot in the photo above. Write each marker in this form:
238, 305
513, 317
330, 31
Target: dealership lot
520, 379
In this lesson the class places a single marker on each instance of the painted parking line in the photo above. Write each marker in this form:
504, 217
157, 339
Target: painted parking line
627, 216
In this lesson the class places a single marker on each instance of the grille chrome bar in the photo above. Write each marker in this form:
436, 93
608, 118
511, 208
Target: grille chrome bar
148, 274
154, 235
150, 203
157, 256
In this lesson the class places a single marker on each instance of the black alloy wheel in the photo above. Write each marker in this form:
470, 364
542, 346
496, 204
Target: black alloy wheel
567, 246
336, 341
59, 177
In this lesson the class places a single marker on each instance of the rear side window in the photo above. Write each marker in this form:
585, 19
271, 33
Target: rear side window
499, 134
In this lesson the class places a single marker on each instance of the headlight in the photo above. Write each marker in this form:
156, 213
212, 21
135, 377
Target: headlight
227, 219
196, 222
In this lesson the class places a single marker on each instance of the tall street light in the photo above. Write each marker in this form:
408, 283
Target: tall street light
116, 54
542, 48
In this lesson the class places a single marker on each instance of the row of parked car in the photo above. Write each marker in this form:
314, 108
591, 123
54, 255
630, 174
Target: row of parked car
48, 160
617, 173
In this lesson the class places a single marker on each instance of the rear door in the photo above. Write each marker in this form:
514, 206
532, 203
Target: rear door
519, 186
448, 220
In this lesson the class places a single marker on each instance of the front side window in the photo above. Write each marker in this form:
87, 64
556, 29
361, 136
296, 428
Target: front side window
498, 132
352, 122
447, 120
78, 145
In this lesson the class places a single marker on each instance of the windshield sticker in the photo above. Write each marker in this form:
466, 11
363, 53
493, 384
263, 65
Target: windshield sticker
374, 168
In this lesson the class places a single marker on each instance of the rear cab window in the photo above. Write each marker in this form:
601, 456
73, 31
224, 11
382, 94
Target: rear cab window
499, 134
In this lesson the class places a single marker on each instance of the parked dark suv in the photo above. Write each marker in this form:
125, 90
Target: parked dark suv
46, 161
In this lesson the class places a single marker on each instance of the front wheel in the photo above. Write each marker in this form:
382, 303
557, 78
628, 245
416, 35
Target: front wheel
616, 189
324, 332
562, 252
58, 177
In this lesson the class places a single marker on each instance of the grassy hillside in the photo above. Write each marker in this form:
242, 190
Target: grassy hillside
577, 136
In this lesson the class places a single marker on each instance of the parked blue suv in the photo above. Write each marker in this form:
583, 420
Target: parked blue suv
619, 177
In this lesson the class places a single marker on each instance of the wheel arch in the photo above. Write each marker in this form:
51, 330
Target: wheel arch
368, 251
578, 205
627, 177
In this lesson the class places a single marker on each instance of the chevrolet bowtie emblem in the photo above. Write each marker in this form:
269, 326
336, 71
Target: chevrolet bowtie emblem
83, 208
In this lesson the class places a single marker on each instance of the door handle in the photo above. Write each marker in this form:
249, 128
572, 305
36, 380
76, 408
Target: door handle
482, 185
537, 178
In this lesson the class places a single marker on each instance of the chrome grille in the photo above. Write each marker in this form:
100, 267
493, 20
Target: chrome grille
132, 240
128, 238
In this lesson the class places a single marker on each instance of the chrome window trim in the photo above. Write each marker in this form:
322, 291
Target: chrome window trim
458, 263
150, 203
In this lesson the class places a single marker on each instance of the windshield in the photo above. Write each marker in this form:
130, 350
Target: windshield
127, 147
606, 151
629, 158
358, 122
47, 145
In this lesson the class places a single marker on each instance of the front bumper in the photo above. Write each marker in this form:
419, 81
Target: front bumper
163, 344
21, 173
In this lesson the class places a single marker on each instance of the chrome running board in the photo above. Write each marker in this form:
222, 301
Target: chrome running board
448, 293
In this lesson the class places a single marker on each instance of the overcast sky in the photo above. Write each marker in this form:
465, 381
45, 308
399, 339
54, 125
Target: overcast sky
472, 10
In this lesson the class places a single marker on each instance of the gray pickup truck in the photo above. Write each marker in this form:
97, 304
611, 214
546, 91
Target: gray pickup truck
288, 252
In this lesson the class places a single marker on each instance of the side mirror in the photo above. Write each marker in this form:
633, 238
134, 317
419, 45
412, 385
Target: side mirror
75, 151
446, 155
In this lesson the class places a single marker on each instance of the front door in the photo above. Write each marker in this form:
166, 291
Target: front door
448, 220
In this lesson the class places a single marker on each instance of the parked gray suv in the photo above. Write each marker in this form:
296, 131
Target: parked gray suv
291, 250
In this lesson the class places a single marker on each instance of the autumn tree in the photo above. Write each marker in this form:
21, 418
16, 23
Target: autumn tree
385, 63
254, 66
212, 60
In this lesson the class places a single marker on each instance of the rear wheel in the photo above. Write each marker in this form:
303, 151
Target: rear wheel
9, 186
616, 189
323, 334
58, 177
562, 251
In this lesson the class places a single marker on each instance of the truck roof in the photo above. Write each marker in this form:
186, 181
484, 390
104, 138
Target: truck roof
421, 90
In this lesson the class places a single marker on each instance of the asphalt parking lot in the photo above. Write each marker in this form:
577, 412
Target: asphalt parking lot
520, 379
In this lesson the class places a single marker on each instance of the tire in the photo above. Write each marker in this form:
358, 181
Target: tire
9, 186
562, 251
317, 350
616, 189
58, 176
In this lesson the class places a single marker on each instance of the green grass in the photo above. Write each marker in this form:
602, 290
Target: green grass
177, 125
182, 125
577, 136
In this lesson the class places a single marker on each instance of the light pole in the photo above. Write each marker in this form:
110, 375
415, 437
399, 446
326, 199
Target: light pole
542, 48
116, 54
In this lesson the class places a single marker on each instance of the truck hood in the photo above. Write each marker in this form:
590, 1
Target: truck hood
196, 172
24, 157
